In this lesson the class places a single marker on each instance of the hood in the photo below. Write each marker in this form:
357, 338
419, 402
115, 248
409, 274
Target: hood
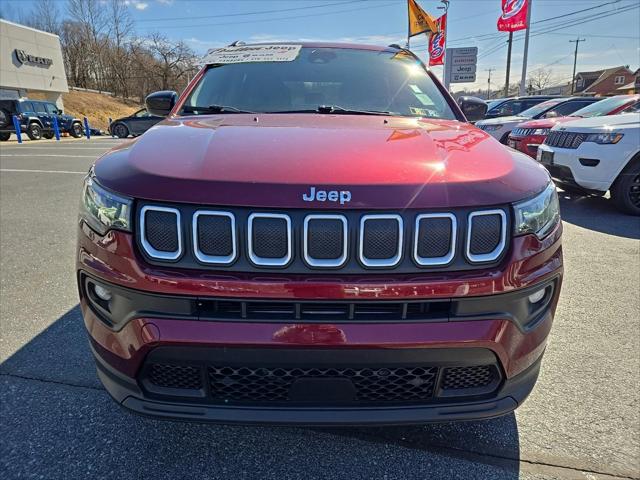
272, 160
501, 120
547, 122
605, 123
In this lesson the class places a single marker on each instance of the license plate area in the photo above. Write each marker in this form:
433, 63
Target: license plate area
546, 158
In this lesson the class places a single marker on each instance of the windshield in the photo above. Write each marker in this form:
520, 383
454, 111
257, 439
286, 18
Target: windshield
602, 107
494, 103
540, 108
344, 80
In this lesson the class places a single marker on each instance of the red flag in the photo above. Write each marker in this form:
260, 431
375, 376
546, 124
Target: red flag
514, 15
437, 42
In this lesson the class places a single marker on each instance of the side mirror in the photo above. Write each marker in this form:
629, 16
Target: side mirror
474, 108
161, 103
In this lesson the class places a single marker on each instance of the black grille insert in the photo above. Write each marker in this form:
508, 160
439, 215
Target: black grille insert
269, 238
380, 239
161, 230
325, 238
434, 237
175, 376
215, 235
485, 235
245, 384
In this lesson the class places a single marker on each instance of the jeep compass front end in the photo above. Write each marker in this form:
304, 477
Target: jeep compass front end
314, 235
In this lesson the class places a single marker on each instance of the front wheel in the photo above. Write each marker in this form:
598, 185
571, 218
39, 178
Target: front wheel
625, 192
34, 132
120, 130
76, 130
4, 136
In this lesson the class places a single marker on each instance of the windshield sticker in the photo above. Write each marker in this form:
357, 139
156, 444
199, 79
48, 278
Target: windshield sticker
252, 53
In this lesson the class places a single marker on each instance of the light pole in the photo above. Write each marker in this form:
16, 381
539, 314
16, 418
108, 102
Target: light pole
575, 61
489, 82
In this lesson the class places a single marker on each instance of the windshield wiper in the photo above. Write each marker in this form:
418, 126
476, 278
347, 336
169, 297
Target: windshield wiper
215, 109
336, 109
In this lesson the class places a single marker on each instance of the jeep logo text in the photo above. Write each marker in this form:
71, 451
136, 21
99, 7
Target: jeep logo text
342, 196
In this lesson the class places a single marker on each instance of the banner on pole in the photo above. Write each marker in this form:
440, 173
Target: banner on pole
437, 42
514, 15
419, 20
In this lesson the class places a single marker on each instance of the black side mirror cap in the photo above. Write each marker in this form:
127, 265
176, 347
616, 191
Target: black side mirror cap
474, 108
161, 103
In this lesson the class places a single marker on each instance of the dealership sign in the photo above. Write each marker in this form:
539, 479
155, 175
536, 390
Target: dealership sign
25, 58
460, 64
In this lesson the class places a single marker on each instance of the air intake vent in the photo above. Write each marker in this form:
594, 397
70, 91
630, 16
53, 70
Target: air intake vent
269, 239
214, 237
486, 235
435, 239
381, 240
325, 240
161, 232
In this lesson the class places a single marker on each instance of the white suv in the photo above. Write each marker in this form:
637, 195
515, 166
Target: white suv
596, 155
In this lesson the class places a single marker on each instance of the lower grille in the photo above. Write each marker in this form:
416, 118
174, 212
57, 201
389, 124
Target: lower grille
305, 385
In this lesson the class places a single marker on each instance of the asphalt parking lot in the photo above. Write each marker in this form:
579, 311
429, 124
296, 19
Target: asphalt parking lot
581, 422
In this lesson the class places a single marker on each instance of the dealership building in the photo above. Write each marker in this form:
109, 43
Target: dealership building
30, 63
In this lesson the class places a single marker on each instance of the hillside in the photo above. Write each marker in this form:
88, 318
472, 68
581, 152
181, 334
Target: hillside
97, 107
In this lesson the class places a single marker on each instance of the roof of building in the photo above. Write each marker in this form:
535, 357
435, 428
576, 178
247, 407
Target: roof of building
603, 75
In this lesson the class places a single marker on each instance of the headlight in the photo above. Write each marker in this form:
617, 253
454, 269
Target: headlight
539, 214
604, 138
104, 210
541, 131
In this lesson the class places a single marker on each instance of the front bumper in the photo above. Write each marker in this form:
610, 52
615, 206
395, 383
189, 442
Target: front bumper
479, 330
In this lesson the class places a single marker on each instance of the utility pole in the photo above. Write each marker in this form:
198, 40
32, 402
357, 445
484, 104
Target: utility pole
523, 79
506, 86
489, 82
575, 61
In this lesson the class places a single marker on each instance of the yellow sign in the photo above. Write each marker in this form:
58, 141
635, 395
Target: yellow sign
419, 20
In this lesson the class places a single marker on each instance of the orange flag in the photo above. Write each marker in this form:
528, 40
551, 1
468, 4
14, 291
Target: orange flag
419, 20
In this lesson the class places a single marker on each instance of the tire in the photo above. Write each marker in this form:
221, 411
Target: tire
120, 130
76, 130
4, 136
625, 191
5, 117
48, 135
34, 132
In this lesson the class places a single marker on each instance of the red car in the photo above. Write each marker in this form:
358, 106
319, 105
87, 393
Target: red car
316, 235
527, 136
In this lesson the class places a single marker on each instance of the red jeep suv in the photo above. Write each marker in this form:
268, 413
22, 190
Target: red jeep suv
315, 235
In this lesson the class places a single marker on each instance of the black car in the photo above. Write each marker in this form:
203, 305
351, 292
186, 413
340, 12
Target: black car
36, 119
135, 124
504, 107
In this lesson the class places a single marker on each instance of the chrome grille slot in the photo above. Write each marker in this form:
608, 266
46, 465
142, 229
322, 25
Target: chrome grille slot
161, 232
486, 235
435, 239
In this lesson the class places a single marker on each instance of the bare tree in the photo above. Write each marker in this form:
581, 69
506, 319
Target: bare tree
43, 15
174, 60
539, 79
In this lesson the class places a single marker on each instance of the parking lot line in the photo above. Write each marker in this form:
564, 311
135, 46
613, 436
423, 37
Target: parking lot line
2, 170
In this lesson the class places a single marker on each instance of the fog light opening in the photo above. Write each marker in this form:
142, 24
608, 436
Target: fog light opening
102, 293
537, 296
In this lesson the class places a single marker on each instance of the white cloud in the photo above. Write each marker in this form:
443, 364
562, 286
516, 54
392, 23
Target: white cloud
140, 5
165, 2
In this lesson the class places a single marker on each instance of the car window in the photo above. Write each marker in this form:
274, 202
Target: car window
26, 107
564, 109
602, 107
346, 78
51, 108
632, 108
39, 107
541, 108
510, 107
141, 113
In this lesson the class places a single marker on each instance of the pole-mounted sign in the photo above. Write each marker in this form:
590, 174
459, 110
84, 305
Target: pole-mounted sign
460, 65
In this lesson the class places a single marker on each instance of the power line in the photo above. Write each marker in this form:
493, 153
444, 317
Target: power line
261, 12
292, 17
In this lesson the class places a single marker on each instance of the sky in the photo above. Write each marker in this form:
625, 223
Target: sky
611, 29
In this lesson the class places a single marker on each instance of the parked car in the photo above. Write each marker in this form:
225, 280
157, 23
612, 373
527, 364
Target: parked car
135, 124
528, 136
315, 235
596, 155
36, 119
500, 128
509, 106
